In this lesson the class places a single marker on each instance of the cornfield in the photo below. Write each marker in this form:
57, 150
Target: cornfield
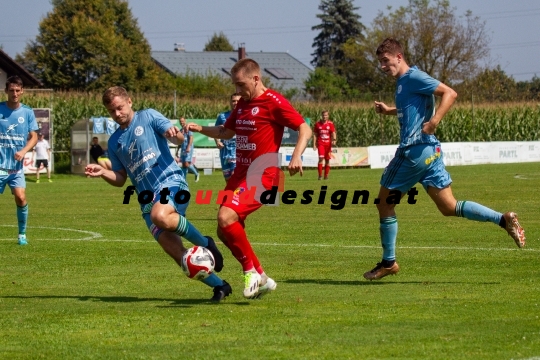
356, 124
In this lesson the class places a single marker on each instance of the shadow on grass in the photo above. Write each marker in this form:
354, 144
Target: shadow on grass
373, 283
127, 299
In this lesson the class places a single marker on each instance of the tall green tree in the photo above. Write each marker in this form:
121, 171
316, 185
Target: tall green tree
91, 45
219, 42
339, 22
446, 46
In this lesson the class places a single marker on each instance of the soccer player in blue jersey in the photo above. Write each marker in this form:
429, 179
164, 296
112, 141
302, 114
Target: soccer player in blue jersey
139, 150
186, 152
18, 135
419, 157
227, 147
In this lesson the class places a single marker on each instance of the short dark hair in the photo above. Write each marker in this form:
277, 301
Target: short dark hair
390, 46
14, 80
235, 95
248, 66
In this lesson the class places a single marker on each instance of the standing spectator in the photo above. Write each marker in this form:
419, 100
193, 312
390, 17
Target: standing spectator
324, 136
99, 155
227, 148
18, 128
42, 155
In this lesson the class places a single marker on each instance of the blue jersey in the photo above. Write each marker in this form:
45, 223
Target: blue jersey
187, 137
229, 149
143, 152
15, 125
415, 106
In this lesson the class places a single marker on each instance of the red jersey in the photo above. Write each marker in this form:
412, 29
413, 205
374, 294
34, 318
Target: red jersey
259, 125
323, 132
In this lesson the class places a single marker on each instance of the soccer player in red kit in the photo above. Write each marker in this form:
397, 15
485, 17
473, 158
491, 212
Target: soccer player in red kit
258, 120
323, 131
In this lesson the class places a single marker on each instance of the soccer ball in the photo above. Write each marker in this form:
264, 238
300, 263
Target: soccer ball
198, 263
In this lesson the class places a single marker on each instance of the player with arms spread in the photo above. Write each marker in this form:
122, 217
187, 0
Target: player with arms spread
258, 121
419, 156
139, 149
324, 136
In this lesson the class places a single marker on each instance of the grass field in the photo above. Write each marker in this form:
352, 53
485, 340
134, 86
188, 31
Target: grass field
93, 284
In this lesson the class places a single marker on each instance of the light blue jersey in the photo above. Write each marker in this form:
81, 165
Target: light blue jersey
15, 125
228, 153
415, 106
143, 151
186, 156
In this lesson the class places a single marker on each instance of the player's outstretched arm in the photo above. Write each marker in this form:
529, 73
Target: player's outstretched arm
115, 178
174, 135
382, 108
304, 134
216, 132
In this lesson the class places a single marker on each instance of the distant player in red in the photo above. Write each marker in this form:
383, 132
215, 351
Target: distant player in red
324, 136
258, 121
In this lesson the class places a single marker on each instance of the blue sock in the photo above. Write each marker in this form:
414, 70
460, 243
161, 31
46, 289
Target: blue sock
388, 228
190, 232
22, 217
474, 211
213, 280
192, 169
184, 171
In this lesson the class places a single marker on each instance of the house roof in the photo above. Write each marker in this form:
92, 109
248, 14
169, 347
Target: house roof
11, 67
281, 68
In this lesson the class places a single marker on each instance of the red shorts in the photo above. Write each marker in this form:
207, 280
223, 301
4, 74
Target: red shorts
244, 200
324, 151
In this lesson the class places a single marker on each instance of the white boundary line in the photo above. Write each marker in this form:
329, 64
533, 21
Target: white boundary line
95, 236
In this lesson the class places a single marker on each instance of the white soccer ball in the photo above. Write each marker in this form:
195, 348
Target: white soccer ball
198, 263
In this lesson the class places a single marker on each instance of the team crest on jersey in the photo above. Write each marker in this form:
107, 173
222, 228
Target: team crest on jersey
399, 89
20, 120
139, 131
255, 110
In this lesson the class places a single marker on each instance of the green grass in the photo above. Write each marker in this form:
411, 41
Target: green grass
93, 284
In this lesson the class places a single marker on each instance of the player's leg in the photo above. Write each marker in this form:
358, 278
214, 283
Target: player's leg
321, 151
192, 169
38, 165
328, 151
48, 168
22, 211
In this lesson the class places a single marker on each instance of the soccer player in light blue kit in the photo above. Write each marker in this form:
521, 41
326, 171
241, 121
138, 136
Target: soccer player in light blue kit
17, 124
139, 149
186, 152
227, 148
419, 157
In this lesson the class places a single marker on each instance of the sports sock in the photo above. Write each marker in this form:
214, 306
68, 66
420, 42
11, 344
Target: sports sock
326, 170
213, 280
237, 242
22, 218
320, 170
184, 171
190, 232
192, 169
474, 211
388, 228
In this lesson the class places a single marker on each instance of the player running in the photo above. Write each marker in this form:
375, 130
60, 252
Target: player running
258, 122
419, 157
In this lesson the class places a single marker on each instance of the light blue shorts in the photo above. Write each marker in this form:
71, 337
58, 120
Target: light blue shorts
180, 208
186, 157
12, 178
227, 166
421, 163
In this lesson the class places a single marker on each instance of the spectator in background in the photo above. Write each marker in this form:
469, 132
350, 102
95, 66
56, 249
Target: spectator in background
99, 155
42, 155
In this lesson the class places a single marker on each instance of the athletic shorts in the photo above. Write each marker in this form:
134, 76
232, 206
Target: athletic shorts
45, 163
422, 163
228, 166
239, 186
179, 207
186, 157
324, 151
12, 178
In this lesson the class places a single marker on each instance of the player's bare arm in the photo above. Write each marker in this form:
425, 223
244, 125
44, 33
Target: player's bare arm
19, 155
115, 178
216, 132
314, 141
382, 108
174, 135
448, 97
304, 134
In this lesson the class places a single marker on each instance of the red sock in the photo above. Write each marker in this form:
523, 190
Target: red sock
240, 247
320, 169
326, 170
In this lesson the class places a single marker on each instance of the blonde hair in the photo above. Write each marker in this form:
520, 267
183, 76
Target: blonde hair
247, 66
113, 92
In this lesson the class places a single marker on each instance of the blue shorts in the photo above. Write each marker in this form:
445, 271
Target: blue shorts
147, 208
422, 163
186, 157
13, 178
228, 165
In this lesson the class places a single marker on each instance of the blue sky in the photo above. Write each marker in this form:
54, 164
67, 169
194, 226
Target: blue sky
285, 25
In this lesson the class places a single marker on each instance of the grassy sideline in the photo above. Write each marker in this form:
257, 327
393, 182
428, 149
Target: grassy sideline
92, 284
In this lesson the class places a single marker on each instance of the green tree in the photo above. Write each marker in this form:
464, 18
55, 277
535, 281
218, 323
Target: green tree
91, 45
489, 85
324, 84
339, 22
448, 47
218, 42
